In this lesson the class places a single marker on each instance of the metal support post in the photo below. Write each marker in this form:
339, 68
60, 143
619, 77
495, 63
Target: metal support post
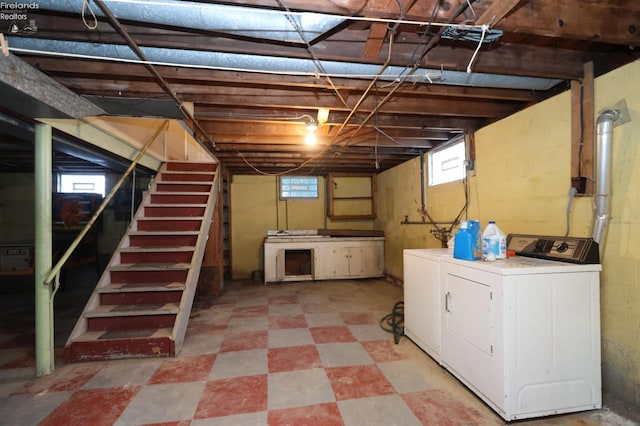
43, 249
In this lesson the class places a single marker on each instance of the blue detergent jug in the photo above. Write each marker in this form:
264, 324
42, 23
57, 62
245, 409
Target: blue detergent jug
474, 228
465, 242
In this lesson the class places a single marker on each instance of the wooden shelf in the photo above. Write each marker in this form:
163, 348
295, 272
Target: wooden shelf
351, 196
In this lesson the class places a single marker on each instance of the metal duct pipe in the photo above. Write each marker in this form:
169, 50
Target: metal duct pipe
267, 64
602, 198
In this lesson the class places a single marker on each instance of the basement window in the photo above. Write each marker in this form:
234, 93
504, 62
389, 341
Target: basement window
298, 187
447, 164
73, 183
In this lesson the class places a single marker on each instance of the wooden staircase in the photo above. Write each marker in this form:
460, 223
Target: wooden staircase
142, 302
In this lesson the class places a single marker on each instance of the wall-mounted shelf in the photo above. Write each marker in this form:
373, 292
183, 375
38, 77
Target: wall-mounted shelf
351, 196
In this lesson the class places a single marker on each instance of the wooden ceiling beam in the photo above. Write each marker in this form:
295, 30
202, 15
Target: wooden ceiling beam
496, 11
377, 34
101, 71
217, 113
267, 98
603, 21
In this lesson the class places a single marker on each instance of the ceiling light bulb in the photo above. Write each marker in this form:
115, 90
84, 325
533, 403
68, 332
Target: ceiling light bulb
312, 126
310, 139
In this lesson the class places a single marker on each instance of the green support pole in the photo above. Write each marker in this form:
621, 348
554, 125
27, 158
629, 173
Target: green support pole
44, 249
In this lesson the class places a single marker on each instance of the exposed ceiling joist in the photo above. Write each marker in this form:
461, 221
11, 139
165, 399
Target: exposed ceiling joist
255, 82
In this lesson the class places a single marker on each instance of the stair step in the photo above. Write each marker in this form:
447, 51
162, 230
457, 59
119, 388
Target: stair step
158, 266
191, 166
156, 255
169, 224
131, 317
175, 210
109, 311
148, 272
150, 296
174, 176
183, 187
118, 344
141, 287
162, 238
156, 249
179, 197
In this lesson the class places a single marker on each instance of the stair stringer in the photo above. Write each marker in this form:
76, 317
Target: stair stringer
191, 284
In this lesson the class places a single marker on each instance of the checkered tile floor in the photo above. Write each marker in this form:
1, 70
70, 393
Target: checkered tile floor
289, 354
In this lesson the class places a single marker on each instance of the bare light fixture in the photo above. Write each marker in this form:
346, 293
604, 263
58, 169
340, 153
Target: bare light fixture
310, 139
312, 125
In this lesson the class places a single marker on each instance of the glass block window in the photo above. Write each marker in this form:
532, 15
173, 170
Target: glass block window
298, 187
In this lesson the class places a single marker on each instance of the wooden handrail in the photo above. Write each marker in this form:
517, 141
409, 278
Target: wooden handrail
55, 270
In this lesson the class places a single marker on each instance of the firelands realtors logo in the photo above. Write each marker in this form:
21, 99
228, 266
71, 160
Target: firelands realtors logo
15, 19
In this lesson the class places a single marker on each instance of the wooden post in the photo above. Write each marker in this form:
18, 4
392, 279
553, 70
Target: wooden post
583, 132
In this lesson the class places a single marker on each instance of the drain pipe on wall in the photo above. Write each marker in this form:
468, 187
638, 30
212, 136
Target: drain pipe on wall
607, 120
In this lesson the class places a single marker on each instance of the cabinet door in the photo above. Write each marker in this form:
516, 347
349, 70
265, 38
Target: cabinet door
342, 262
366, 260
323, 263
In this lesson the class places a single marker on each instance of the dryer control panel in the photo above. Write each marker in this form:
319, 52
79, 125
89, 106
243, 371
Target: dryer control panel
569, 249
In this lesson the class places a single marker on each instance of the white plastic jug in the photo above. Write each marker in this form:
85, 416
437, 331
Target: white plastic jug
494, 242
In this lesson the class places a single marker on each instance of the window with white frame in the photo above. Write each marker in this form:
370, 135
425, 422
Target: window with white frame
447, 164
94, 183
298, 187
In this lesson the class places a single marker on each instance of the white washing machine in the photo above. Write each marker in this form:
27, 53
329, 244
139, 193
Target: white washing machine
524, 334
422, 298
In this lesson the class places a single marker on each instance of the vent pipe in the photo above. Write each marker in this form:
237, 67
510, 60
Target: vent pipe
604, 149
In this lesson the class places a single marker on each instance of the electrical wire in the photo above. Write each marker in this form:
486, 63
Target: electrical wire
572, 193
413, 69
316, 60
368, 89
388, 136
475, 53
87, 6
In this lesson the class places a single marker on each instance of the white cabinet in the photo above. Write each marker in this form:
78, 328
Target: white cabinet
329, 258
524, 334
360, 260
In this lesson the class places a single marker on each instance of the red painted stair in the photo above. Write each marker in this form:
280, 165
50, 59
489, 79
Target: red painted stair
141, 305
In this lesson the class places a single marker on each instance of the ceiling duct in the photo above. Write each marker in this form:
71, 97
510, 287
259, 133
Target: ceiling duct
240, 21
271, 64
